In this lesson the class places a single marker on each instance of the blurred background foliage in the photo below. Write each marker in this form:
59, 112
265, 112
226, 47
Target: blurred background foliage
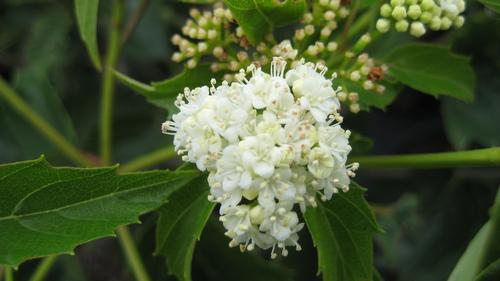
429, 215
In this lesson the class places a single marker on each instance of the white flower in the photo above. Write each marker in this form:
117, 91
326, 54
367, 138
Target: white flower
283, 226
230, 171
320, 163
260, 155
313, 90
335, 140
452, 7
270, 143
284, 50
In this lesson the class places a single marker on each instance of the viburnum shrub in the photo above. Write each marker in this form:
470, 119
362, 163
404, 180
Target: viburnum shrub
258, 114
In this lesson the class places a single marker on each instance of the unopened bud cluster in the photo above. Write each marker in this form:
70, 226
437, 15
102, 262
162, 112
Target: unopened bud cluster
416, 16
205, 33
323, 21
271, 143
215, 34
366, 73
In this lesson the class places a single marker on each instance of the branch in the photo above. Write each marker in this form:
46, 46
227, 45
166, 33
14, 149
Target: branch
19, 105
470, 158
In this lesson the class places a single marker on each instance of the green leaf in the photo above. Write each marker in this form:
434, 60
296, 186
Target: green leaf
482, 251
469, 264
368, 99
492, 4
258, 17
432, 70
46, 210
492, 251
180, 225
342, 231
490, 273
214, 257
39, 82
475, 124
164, 93
86, 16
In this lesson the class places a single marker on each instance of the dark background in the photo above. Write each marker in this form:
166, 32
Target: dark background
429, 215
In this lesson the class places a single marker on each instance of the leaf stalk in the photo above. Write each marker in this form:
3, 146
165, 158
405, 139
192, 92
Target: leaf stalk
132, 254
37, 121
470, 158
43, 268
108, 84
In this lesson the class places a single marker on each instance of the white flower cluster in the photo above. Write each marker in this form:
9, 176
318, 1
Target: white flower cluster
416, 15
270, 142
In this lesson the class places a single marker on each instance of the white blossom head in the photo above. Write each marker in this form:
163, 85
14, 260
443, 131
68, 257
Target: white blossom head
272, 144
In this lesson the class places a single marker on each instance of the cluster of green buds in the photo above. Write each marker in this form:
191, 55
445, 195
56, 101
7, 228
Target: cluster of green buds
362, 71
317, 39
322, 19
416, 16
205, 33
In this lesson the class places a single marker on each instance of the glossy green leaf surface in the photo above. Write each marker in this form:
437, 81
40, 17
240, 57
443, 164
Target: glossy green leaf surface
180, 225
342, 231
432, 70
482, 254
46, 210
492, 4
258, 17
86, 15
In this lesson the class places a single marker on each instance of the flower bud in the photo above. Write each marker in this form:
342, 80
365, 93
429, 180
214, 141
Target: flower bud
326, 32
445, 23
386, 10
399, 13
329, 15
332, 46
334, 4
257, 215
211, 34
309, 29
427, 5
308, 18
426, 17
401, 26
459, 21
396, 3
354, 108
414, 12
383, 25
417, 29
177, 57
368, 85
355, 76
435, 23
191, 63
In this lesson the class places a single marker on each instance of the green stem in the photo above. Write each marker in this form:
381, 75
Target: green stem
134, 20
9, 275
108, 89
149, 160
108, 85
345, 32
13, 99
132, 254
470, 158
359, 25
43, 268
